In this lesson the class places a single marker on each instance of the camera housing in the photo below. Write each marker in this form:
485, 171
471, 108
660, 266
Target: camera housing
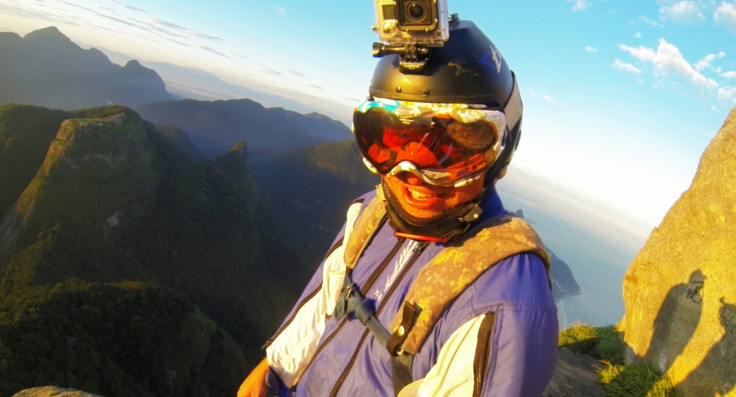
412, 22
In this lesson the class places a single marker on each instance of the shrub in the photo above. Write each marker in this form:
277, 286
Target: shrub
599, 342
617, 378
635, 380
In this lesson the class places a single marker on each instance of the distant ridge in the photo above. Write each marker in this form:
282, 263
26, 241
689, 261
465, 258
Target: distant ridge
214, 126
46, 68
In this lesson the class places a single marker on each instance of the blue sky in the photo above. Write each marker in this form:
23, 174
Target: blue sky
620, 97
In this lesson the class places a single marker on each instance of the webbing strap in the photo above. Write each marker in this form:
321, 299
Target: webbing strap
401, 368
456, 267
352, 302
368, 223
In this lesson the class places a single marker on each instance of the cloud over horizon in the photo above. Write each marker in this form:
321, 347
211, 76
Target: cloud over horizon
668, 63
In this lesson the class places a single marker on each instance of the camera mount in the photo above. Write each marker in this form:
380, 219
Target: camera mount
413, 55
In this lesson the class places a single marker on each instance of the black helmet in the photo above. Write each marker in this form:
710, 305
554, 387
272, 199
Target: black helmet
469, 69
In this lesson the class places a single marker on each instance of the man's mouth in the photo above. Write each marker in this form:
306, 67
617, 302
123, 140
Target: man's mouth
420, 198
419, 195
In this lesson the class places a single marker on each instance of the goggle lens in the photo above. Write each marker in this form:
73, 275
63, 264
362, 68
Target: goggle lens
446, 144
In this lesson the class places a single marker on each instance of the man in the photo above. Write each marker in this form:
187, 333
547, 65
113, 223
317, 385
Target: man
431, 288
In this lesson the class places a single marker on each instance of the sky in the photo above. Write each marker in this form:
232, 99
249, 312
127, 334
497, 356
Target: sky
620, 97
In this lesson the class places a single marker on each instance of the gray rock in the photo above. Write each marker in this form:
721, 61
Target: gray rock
575, 376
52, 391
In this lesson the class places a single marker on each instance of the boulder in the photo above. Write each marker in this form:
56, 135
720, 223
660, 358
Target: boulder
576, 375
679, 294
52, 391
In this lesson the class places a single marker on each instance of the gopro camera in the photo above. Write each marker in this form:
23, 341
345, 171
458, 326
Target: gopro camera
418, 22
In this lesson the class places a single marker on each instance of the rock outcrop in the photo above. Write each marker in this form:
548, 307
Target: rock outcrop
575, 376
52, 391
679, 290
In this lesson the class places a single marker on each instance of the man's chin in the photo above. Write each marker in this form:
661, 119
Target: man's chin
420, 216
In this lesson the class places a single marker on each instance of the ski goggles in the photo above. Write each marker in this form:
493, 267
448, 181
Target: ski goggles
443, 144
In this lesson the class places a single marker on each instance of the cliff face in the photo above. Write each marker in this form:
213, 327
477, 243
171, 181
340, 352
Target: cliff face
679, 290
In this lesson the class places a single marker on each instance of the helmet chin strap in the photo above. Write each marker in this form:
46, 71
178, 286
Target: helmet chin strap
449, 226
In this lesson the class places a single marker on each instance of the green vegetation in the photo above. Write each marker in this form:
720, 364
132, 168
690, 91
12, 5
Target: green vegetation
635, 380
102, 197
293, 185
618, 378
106, 339
25, 135
600, 342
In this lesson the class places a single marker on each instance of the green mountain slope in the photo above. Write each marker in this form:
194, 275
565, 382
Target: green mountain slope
25, 134
106, 339
311, 189
113, 200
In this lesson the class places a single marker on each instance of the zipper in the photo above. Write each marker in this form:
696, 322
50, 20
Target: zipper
364, 290
482, 352
416, 252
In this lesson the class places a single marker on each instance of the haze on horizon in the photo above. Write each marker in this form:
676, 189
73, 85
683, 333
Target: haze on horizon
620, 98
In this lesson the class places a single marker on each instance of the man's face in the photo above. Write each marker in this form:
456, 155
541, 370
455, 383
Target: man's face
427, 202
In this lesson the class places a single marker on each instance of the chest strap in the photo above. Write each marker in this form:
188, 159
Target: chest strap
454, 268
436, 286
448, 274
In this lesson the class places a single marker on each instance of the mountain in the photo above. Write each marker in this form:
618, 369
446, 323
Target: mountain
311, 188
109, 338
213, 126
680, 300
102, 197
46, 68
201, 85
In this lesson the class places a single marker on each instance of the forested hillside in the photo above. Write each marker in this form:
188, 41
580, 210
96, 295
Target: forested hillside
101, 196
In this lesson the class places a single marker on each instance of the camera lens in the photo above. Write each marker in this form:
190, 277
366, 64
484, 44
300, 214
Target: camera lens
416, 11
417, 15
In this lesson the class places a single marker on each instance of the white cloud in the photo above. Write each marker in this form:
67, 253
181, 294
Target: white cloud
708, 60
637, 35
727, 94
650, 22
668, 61
591, 49
280, 10
625, 67
580, 5
531, 92
725, 15
688, 12
729, 75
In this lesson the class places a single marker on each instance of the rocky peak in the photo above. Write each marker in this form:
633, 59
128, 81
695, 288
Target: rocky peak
135, 65
50, 36
679, 296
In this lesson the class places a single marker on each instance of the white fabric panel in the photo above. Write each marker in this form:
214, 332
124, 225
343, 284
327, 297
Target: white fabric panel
452, 375
291, 351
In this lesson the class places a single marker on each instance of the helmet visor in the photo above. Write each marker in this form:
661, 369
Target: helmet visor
444, 144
